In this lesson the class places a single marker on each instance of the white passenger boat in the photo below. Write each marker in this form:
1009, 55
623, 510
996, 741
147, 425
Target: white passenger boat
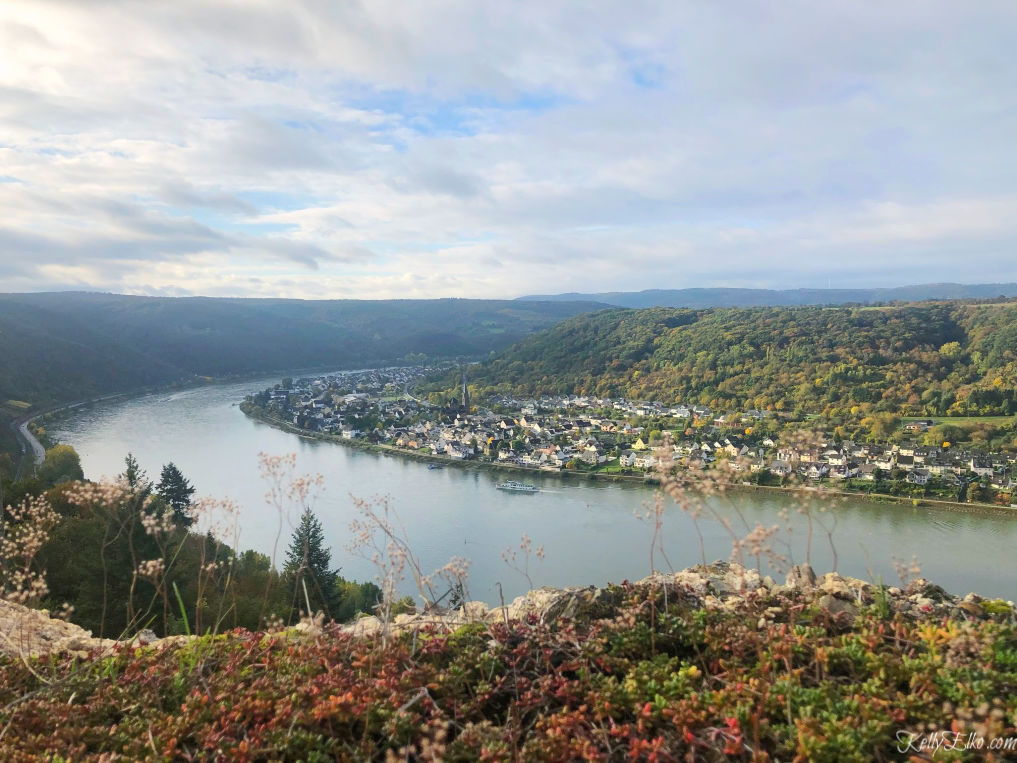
519, 487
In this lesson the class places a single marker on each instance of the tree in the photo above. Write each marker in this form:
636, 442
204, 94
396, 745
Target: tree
881, 425
176, 490
308, 567
135, 477
951, 350
61, 465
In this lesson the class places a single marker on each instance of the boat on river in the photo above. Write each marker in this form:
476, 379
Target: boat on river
518, 487
436, 466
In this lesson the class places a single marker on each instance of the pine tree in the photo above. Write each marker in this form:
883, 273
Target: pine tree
136, 477
308, 563
176, 490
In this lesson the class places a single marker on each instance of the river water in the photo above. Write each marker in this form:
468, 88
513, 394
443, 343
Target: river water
589, 530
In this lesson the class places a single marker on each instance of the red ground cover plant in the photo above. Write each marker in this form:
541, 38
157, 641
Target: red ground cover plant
661, 679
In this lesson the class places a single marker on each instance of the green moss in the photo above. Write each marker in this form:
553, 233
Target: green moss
997, 607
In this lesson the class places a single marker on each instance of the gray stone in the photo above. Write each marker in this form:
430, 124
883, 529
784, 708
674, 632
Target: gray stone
365, 626
801, 576
834, 584
922, 587
472, 611
837, 607
972, 608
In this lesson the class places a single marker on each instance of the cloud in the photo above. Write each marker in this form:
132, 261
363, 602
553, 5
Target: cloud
385, 149
183, 194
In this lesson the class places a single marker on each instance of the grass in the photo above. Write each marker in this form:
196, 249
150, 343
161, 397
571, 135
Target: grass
961, 419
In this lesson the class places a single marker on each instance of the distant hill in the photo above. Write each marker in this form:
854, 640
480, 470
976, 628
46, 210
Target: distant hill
925, 359
786, 297
59, 347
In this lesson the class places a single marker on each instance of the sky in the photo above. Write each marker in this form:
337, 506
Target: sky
380, 149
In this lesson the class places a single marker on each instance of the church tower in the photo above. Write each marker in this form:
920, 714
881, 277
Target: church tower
465, 398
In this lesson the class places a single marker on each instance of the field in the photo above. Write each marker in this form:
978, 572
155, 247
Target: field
960, 420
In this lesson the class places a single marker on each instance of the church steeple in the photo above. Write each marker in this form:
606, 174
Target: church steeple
464, 401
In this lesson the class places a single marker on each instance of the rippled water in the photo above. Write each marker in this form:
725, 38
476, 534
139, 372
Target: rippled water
589, 529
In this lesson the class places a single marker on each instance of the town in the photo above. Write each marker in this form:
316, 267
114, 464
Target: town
597, 436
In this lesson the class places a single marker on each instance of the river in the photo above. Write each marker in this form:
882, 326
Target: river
588, 529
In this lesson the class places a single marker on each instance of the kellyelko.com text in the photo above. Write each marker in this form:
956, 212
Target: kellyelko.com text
947, 741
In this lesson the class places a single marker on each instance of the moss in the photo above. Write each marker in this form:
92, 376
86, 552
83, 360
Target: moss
997, 607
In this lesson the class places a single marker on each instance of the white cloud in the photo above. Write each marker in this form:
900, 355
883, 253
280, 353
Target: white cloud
425, 149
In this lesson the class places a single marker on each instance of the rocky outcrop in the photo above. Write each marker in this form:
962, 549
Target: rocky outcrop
720, 585
30, 632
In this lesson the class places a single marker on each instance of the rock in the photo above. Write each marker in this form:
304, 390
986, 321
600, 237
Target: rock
28, 632
145, 637
692, 581
365, 626
834, 584
532, 603
497, 615
721, 577
584, 604
743, 580
972, 608
311, 626
925, 589
473, 611
863, 590
837, 607
801, 576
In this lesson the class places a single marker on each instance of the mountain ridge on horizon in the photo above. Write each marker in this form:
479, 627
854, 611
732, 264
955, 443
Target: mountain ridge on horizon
698, 297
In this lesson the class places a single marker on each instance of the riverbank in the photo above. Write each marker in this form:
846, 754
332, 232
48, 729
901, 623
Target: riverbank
258, 414
31, 445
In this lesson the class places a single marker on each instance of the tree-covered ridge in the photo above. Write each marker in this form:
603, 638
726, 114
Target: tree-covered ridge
699, 297
61, 348
925, 359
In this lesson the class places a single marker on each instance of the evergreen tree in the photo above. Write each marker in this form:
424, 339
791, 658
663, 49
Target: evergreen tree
136, 477
176, 490
308, 563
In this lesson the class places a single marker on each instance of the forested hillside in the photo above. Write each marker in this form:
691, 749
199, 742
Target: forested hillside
922, 359
224, 336
731, 297
71, 346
